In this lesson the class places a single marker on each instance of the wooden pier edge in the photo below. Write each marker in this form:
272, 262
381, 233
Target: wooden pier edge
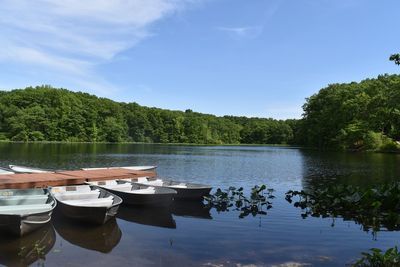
43, 180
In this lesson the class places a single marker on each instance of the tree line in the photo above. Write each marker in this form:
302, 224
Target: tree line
44, 113
351, 116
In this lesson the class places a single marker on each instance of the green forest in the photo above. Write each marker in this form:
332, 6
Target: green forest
47, 114
350, 116
353, 116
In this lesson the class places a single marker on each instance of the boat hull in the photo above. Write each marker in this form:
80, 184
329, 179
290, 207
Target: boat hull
23, 169
164, 199
18, 225
191, 193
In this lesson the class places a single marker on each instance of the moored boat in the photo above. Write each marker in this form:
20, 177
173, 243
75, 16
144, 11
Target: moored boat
4, 171
136, 194
86, 203
25, 210
134, 168
184, 190
24, 169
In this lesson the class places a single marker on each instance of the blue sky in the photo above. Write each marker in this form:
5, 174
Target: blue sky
223, 57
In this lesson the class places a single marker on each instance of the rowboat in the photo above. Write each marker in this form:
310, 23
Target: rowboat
4, 171
86, 203
184, 190
23, 211
102, 238
136, 194
134, 168
23, 169
26, 250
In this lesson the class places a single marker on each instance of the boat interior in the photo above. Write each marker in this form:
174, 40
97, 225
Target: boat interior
82, 195
125, 186
24, 201
159, 182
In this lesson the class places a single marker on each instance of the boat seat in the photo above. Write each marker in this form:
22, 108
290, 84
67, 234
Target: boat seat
119, 187
127, 179
24, 200
181, 185
98, 202
24, 209
111, 182
157, 182
79, 188
142, 179
149, 190
77, 195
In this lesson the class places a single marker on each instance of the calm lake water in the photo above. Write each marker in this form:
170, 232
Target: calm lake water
188, 234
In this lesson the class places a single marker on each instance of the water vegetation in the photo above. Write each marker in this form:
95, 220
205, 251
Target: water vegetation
378, 258
375, 208
256, 203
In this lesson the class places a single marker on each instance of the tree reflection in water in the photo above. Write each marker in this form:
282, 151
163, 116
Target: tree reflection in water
375, 208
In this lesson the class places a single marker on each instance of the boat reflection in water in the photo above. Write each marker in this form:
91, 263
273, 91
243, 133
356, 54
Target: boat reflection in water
162, 216
101, 238
194, 209
28, 249
154, 216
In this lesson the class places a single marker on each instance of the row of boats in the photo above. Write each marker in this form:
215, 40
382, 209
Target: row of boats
25, 210
101, 238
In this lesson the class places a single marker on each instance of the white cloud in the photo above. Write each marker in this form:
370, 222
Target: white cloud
71, 37
242, 32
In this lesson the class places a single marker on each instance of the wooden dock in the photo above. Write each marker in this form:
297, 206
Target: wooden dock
42, 180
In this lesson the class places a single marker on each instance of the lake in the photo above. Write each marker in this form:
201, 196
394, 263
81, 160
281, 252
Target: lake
190, 234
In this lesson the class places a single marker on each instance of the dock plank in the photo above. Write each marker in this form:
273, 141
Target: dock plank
35, 180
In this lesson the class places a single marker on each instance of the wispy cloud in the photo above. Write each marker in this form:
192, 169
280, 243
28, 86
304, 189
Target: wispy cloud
72, 37
242, 32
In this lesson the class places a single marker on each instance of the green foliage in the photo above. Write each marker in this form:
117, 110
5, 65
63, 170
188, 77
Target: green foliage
358, 116
377, 258
232, 198
373, 141
395, 58
47, 114
373, 208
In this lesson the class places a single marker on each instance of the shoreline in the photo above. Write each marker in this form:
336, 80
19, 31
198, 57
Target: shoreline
144, 143
206, 145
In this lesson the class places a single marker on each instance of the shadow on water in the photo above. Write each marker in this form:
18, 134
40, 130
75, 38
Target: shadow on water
193, 209
154, 216
162, 216
102, 238
28, 249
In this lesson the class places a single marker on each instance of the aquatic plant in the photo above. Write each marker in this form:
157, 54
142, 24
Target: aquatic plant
234, 199
373, 208
377, 258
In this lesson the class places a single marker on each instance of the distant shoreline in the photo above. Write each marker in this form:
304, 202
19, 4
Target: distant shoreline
144, 143
207, 145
